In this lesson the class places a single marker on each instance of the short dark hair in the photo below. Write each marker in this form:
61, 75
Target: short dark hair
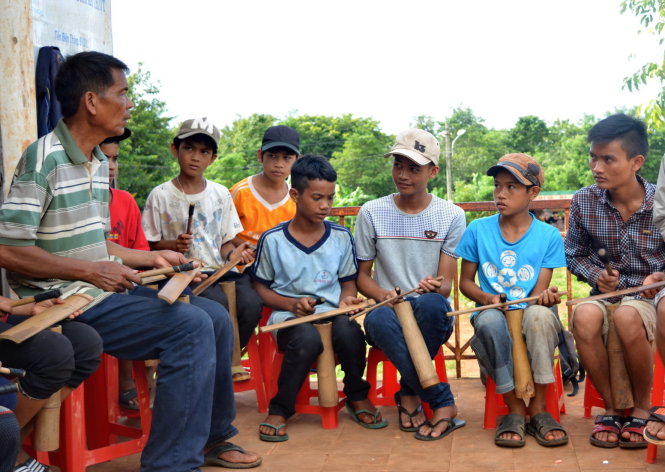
199, 138
631, 131
311, 167
83, 72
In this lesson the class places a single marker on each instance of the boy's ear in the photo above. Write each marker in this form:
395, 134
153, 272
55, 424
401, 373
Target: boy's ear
214, 156
637, 162
259, 156
534, 190
174, 150
433, 171
293, 193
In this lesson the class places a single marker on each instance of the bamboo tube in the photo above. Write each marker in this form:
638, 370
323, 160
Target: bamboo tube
47, 420
622, 392
217, 275
524, 387
325, 367
174, 287
416, 345
237, 370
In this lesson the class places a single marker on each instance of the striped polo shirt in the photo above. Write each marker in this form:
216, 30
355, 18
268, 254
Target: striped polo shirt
58, 201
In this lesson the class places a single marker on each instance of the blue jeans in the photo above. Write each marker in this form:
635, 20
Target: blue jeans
194, 404
384, 331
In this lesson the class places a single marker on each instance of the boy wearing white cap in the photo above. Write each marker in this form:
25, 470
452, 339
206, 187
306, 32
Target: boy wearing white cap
409, 238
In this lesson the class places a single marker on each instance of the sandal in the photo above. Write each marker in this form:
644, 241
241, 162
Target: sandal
273, 437
31, 465
606, 424
376, 422
414, 413
543, 423
212, 457
453, 424
636, 426
512, 423
657, 415
125, 399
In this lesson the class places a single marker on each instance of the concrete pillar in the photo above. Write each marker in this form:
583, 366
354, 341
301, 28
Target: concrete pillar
18, 115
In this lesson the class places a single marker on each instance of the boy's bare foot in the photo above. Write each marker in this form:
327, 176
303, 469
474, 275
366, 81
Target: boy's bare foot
417, 418
439, 414
364, 417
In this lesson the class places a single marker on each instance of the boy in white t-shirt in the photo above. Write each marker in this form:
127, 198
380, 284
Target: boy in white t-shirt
215, 221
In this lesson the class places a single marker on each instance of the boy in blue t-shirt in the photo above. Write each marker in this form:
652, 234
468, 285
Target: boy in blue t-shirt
296, 263
514, 254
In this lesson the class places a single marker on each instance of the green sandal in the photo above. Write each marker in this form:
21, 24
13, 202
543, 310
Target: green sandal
401, 409
375, 424
273, 437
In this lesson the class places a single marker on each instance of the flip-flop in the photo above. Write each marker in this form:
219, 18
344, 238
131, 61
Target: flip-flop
511, 423
636, 426
273, 437
375, 424
212, 457
453, 424
541, 424
606, 424
658, 415
125, 399
401, 409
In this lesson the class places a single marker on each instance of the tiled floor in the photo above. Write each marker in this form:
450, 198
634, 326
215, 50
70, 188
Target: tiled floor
351, 448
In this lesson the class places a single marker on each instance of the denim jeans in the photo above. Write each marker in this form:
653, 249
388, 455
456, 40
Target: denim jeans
494, 346
194, 404
383, 330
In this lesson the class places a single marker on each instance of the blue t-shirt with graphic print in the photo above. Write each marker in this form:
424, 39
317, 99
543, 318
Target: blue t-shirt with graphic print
293, 270
511, 268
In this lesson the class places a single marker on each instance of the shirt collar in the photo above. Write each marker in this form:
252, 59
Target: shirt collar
647, 203
71, 148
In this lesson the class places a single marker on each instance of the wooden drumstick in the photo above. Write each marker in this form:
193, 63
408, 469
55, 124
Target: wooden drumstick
604, 257
150, 274
415, 343
622, 392
12, 371
40, 297
200, 288
316, 316
618, 293
229, 289
46, 318
390, 300
325, 367
190, 218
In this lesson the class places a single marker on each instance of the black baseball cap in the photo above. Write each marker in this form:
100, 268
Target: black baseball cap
116, 139
281, 136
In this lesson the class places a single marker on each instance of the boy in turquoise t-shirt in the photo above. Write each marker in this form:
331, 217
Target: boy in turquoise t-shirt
514, 254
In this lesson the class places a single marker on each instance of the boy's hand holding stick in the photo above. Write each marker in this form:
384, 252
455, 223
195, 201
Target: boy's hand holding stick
316, 316
234, 261
40, 297
534, 298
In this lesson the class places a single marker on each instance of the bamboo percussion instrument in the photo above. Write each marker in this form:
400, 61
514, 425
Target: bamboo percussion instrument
200, 288
12, 371
316, 316
40, 297
47, 420
229, 289
46, 318
390, 300
618, 293
605, 259
325, 367
190, 215
524, 387
495, 305
622, 392
150, 281
179, 282
415, 343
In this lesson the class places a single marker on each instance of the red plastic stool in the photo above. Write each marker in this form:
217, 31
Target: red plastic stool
384, 394
271, 362
554, 399
88, 421
656, 399
255, 381
591, 398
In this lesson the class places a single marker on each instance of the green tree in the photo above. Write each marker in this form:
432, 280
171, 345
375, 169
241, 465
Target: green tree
145, 158
529, 135
651, 15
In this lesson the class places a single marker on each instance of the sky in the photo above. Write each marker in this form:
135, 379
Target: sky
388, 60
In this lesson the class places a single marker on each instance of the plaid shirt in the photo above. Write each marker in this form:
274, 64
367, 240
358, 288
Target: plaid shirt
636, 248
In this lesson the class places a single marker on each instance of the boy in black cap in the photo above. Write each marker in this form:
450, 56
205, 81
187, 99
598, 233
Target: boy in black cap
262, 200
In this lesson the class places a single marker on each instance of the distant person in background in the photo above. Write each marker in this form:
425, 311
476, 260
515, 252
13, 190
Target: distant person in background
263, 200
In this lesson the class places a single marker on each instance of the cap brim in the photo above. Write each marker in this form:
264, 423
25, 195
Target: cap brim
126, 134
411, 155
275, 144
492, 171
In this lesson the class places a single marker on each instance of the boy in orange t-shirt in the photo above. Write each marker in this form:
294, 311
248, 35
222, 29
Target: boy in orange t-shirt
262, 200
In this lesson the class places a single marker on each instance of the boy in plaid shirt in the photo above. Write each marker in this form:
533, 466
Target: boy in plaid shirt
616, 213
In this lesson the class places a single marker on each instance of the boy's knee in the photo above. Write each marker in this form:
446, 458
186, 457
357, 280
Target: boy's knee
489, 321
307, 344
539, 318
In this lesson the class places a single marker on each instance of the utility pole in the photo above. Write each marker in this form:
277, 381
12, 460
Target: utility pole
449, 167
